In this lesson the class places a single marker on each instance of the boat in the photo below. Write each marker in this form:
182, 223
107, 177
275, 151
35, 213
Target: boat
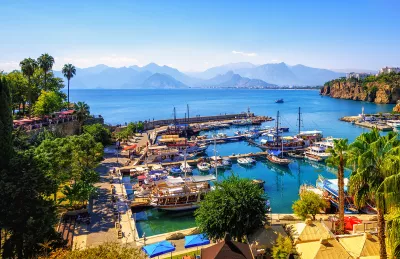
244, 161
313, 157
203, 166
217, 164
279, 101
227, 162
175, 170
277, 160
185, 167
296, 155
332, 193
251, 160
260, 183
238, 133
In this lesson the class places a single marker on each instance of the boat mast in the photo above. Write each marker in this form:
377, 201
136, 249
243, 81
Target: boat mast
184, 157
299, 120
215, 159
175, 118
187, 108
277, 128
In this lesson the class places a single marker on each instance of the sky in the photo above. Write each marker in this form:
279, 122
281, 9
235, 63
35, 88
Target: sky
195, 35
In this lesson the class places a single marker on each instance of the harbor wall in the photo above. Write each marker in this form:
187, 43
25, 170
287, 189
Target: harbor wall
198, 119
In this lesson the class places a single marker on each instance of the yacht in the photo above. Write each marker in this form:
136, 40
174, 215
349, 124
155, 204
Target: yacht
317, 151
203, 166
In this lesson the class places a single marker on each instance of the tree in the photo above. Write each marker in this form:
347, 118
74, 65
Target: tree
237, 206
78, 193
282, 248
376, 175
82, 111
309, 203
99, 133
6, 124
338, 159
18, 90
28, 67
393, 229
45, 62
68, 71
24, 211
48, 103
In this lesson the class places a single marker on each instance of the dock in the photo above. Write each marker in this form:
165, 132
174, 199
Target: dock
366, 124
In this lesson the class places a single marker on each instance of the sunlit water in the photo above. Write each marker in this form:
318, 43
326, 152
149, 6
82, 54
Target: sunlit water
281, 184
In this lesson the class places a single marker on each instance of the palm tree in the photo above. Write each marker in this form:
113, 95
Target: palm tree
338, 159
82, 111
393, 229
69, 71
376, 160
28, 67
46, 63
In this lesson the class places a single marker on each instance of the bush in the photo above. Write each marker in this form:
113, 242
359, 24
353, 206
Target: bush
309, 203
282, 247
99, 132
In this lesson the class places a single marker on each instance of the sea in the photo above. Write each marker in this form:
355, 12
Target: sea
281, 184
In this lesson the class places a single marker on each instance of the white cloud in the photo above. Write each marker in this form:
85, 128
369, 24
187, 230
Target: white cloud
8, 66
275, 61
244, 53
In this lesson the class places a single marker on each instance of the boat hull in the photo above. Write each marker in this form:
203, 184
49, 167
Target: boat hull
179, 207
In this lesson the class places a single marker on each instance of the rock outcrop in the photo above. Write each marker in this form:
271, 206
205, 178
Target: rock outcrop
378, 92
397, 108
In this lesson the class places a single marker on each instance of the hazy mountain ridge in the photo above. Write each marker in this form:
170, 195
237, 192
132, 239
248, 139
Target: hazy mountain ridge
242, 75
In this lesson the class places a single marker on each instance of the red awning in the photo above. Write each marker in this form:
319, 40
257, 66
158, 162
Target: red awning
67, 112
130, 147
350, 221
141, 177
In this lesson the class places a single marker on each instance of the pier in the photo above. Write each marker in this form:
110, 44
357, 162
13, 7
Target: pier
378, 124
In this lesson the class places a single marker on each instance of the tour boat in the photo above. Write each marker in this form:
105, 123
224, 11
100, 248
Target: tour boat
277, 160
317, 151
203, 166
279, 101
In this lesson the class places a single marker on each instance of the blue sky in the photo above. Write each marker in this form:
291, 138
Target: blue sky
195, 35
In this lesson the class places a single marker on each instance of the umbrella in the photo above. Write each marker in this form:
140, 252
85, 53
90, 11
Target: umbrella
196, 240
129, 147
158, 248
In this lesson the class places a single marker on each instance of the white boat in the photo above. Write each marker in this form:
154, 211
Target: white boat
244, 161
251, 160
395, 124
216, 164
310, 156
226, 163
186, 168
319, 151
203, 166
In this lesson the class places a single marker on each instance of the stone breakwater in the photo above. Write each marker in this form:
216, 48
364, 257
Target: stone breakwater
381, 93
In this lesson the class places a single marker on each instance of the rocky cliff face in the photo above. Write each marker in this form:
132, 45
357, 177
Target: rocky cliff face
377, 92
397, 108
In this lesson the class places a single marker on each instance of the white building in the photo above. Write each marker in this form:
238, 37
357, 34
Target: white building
387, 70
358, 76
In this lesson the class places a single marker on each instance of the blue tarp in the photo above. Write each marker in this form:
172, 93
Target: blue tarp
158, 248
274, 152
196, 240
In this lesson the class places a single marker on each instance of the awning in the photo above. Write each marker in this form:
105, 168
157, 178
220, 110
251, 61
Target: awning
203, 178
129, 147
287, 138
67, 112
196, 240
175, 180
159, 248
141, 177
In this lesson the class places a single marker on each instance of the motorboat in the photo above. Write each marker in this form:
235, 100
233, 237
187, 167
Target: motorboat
251, 160
244, 161
237, 133
260, 183
186, 168
217, 164
175, 170
319, 151
296, 155
203, 166
279, 101
226, 162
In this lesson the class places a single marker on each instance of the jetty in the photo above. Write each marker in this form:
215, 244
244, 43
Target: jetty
377, 124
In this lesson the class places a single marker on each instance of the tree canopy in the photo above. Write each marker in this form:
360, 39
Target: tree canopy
282, 248
237, 206
47, 103
309, 203
99, 133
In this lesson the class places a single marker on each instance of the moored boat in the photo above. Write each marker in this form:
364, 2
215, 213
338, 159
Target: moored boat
203, 166
277, 160
244, 161
279, 101
313, 157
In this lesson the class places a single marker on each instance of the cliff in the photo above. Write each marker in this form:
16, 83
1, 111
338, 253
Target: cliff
397, 108
380, 89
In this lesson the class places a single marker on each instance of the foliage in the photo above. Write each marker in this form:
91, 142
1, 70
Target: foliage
78, 193
129, 130
5, 123
45, 62
236, 206
18, 90
376, 175
309, 203
82, 111
28, 67
99, 133
103, 251
68, 71
47, 103
24, 211
393, 229
338, 159
282, 247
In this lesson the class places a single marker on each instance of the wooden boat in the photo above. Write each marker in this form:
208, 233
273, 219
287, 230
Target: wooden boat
313, 157
278, 160
296, 155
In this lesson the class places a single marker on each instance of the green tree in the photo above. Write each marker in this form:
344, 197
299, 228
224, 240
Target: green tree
282, 248
338, 159
18, 90
24, 211
99, 133
78, 193
309, 203
393, 229
45, 62
376, 175
82, 111
28, 67
48, 103
236, 206
6, 124
68, 71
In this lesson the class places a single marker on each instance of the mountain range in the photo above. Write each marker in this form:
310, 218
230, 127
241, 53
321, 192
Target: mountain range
235, 75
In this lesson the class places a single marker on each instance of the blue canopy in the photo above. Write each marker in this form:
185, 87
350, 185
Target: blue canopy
196, 240
158, 248
275, 152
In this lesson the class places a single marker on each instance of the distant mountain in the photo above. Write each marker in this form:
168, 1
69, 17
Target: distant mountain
159, 81
214, 71
355, 70
232, 80
313, 76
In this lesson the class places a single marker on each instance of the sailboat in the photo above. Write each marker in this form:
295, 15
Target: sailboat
273, 155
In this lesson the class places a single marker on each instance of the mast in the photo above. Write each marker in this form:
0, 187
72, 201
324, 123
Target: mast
175, 117
184, 157
299, 120
277, 127
215, 159
187, 108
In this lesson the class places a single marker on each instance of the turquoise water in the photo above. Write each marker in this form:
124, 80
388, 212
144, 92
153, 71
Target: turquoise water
281, 184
